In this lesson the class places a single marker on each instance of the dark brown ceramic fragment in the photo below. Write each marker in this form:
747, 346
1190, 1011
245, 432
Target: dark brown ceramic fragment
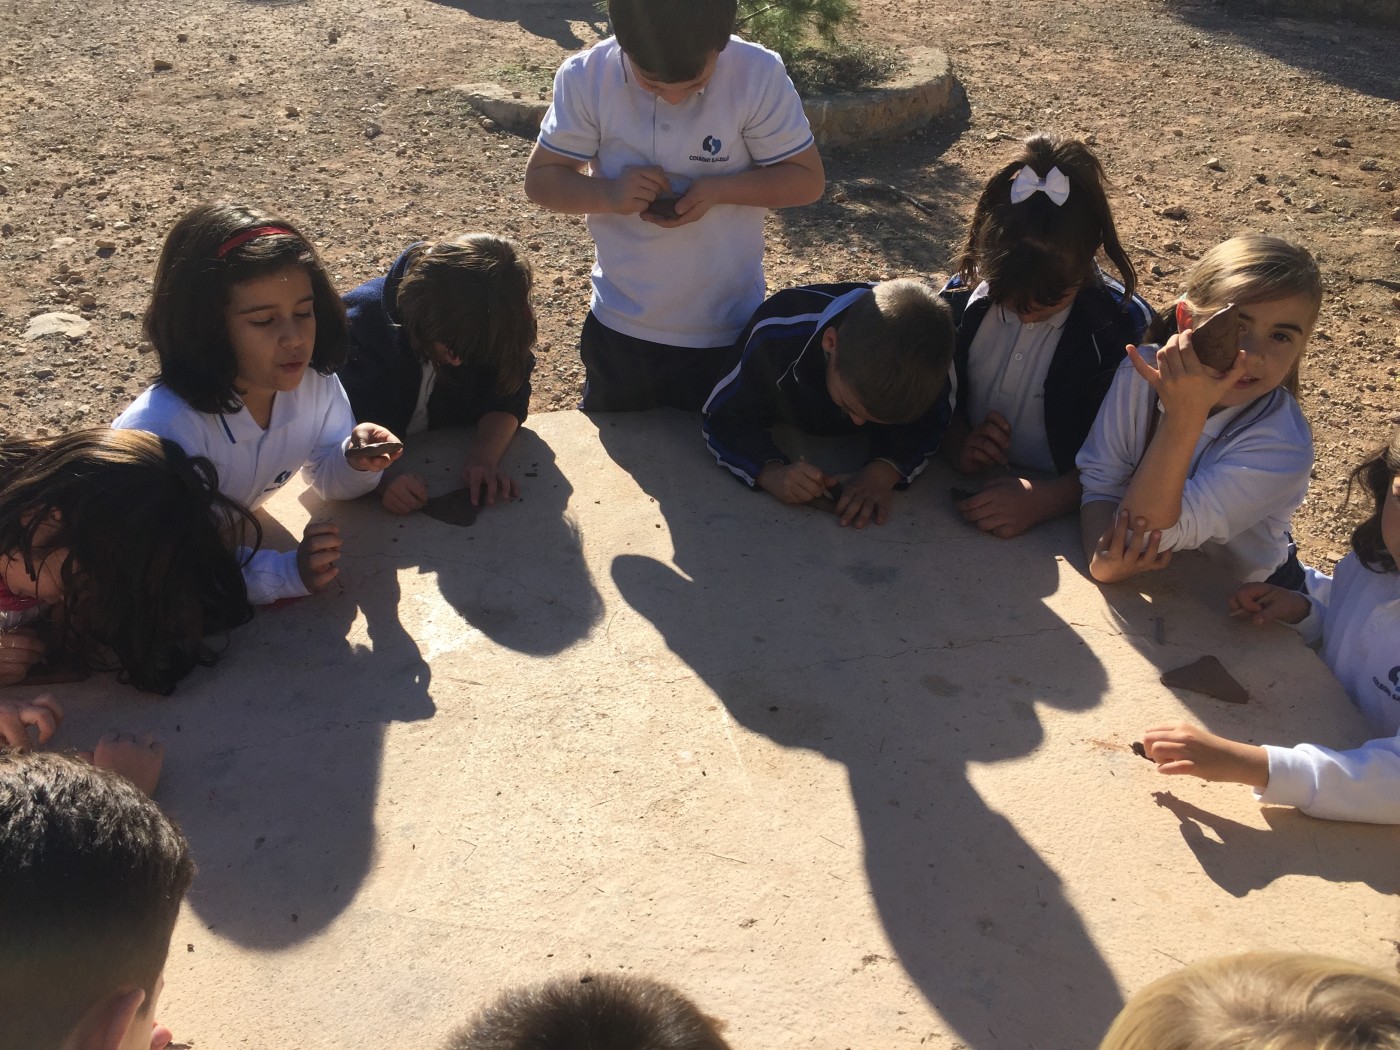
1207, 675
454, 508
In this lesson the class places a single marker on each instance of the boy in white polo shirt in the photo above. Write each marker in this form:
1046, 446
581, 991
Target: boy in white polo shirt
673, 138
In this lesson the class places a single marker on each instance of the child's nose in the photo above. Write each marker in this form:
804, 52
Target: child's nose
289, 332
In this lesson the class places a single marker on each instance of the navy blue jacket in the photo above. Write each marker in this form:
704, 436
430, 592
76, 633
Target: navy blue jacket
1092, 344
383, 375
781, 378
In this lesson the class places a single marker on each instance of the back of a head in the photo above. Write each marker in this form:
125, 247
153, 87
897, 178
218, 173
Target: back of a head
671, 40
1263, 1001
91, 876
895, 347
592, 1012
1252, 268
471, 293
1032, 251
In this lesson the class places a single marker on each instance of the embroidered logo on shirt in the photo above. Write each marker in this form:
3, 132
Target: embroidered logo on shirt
711, 147
279, 480
1393, 690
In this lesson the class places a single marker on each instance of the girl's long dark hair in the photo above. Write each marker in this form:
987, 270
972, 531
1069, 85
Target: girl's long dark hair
149, 571
1375, 477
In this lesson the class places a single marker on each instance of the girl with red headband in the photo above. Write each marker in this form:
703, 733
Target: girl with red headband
249, 331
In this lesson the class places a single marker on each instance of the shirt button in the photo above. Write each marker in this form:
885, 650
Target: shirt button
1018, 357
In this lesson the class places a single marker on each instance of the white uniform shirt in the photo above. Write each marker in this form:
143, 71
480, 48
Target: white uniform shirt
309, 430
1007, 362
1249, 472
1356, 614
695, 285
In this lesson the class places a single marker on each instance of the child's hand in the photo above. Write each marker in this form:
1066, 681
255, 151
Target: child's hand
43, 715
19, 651
691, 207
1264, 603
487, 482
1005, 507
1183, 384
138, 758
985, 446
1186, 749
317, 555
1121, 555
867, 495
794, 483
371, 434
635, 188
404, 494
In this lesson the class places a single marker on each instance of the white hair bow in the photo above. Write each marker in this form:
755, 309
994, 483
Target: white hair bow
1055, 185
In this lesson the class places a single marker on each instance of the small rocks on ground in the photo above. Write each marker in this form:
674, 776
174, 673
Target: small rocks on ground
332, 36
1175, 211
490, 125
182, 38
1370, 164
1214, 164
106, 244
373, 130
293, 111
163, 65
57, 323
1342, 143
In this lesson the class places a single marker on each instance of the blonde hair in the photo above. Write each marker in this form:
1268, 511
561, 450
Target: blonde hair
1263, 1001
1254, 268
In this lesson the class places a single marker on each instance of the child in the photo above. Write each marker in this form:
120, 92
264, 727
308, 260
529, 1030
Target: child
112, 541
1356, 616
249, 329
687, 135
829, 358
1041, 331
598, 1011
1263, 1001
444, 341
92, 875
1183, 456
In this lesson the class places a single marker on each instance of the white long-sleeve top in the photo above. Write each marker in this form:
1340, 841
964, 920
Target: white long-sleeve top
1249, 472
1356, 615
309, 430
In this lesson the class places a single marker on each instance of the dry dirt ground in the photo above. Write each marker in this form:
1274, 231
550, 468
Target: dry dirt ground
116, 117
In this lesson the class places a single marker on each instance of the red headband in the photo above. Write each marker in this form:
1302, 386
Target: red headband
245, 236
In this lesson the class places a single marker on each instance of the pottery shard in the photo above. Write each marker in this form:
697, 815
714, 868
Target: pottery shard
1207, 675
454, 508
71, 325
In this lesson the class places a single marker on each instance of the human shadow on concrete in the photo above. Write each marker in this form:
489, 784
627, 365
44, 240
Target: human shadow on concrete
1240, 859
898, 653
1355, 55
548, 19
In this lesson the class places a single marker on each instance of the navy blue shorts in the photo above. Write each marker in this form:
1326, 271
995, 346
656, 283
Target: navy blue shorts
625, 374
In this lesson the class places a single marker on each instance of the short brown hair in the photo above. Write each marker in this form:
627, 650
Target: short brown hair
471, 293
1375, 477
672, 39
894, 348
201, 259
600, 1011
91, 876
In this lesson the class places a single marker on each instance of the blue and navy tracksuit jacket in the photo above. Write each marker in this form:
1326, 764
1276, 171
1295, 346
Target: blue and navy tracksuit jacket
781, 378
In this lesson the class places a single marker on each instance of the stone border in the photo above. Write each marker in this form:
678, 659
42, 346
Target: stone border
927, 90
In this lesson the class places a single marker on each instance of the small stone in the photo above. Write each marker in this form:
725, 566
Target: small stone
373, 130
1385, 186
292, 111
87, 300
1312, 207
559, 280
1172, 246
1397, 246
1342, 143
1395, 215
1157, 270
1175, 211
43, 374
489, 125
58, 323
106, 244
332, 36
63, 267
119, 226
1370, 164
1214, 164
6, 230
182, 38
145, 346
127, 315
163, 66
63, 242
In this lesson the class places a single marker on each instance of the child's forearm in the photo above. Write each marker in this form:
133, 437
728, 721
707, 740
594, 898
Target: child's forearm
1094, 520
787, 184
1154, 494
1057, 497
493, 435
566, 189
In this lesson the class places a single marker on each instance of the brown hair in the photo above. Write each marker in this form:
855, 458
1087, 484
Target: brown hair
1263, 1001
672, 39
185, 320
92, 875
471, 293
148, 573
1375, 477
1033, 252
598, 1011
1254, 268
894, 348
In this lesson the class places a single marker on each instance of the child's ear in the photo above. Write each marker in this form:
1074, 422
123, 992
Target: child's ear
108, 1024
829, 342
1183, 316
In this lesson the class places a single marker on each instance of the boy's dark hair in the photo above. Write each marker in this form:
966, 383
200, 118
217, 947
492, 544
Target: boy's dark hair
472, 294
894, 348
592, 1012
91, 876
148, 572
1375, 477
1033, 252
200, 261
671, 40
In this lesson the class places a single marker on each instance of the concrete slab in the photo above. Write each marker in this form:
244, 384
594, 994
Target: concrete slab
848, 789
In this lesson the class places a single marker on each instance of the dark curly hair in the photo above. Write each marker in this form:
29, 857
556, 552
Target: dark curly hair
1375, 476
149, 571
185, 320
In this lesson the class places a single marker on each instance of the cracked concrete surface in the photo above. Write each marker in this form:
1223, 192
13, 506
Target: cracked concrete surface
847, 789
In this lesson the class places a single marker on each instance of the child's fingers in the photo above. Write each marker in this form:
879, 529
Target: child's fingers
45, 720
320, 528
1000, 422
319, 561
1116, 537
1142, 368
12, 731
